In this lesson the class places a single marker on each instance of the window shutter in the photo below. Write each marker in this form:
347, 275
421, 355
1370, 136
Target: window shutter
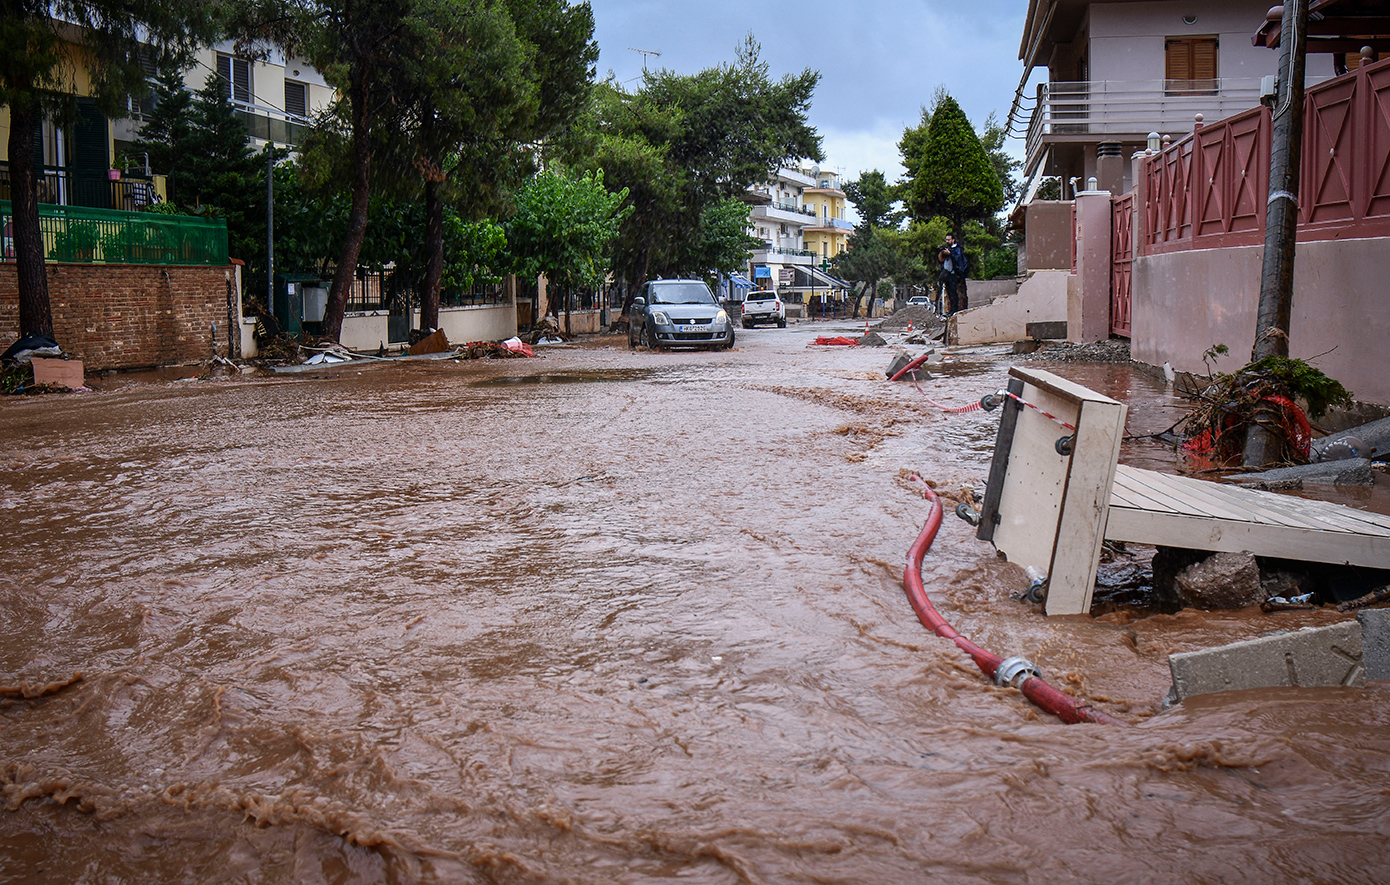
224, 72
241, 79
1190, 65
296, 100
1203, 60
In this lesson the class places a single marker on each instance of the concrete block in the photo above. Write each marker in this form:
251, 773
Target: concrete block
1375, 434
1375, 642
1308, 658
1050, 330
1351, 472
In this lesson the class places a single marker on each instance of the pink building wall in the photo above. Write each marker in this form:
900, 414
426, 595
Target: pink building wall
1199, 239
1193, 300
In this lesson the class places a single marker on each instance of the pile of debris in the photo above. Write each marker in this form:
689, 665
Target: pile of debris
1115, 350
492, 350
921, 319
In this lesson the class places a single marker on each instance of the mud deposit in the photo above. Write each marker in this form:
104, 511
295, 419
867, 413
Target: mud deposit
603, 617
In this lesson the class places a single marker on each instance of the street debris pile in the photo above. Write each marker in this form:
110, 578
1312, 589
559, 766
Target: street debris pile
1267, 392
1115, 350
492, 350
35, 364
1144, 580
920, 319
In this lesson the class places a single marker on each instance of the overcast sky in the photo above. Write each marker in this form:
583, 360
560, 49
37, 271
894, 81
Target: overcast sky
879, 60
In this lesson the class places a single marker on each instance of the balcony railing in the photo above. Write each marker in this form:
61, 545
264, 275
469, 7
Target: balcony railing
1211, 188
64, 186
1134, 108
838, 224
269, 124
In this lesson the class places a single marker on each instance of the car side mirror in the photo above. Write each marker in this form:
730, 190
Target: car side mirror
639, 301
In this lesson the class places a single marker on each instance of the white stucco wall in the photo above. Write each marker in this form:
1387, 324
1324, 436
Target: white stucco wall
1042, 298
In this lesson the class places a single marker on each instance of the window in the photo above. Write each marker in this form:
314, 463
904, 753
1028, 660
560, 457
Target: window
1190, 65
296, 99
236, 76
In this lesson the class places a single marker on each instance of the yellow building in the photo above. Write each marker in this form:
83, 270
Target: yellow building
91, 160
828, 235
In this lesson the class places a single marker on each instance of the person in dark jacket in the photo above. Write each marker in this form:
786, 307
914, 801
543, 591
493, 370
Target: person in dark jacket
952, 260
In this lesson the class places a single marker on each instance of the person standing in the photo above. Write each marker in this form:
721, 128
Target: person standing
952, 258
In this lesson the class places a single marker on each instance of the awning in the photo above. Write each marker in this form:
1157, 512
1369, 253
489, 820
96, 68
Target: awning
808, 278
739, 281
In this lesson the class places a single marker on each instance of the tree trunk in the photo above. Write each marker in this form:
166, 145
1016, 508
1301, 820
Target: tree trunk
434, 249
35, 311
1281, 225
635, 286
346, 272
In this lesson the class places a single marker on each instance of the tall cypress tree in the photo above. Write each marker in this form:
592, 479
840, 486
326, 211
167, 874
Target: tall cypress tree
217, 174
953, 175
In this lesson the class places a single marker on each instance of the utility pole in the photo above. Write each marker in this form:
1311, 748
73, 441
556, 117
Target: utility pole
1281, 221
270, 228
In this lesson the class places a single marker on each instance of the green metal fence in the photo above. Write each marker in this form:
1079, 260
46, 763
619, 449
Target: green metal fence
82, 235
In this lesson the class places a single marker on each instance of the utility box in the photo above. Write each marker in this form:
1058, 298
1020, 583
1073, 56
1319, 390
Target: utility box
289, 307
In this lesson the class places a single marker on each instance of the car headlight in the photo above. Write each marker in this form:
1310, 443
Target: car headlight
721, 317
660, 318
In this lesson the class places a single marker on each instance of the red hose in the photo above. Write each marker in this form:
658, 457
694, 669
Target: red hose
1043, 695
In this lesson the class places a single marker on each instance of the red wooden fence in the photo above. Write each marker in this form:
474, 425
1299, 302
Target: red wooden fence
1210, 189
1121, 264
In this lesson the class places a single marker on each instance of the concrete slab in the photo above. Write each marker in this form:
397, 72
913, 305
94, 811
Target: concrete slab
1309, 658
1351, 472
1041, 298
1376, 435
1375, 642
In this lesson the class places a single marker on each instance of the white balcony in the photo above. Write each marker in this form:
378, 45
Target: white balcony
783, 255
1128, 110
783, 213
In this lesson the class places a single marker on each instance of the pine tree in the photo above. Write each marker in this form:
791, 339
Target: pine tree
164, 135
216, 171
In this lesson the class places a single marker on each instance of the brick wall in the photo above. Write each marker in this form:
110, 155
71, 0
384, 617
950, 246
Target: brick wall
127, 316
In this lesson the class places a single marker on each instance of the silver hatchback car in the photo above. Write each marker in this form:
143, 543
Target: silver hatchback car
678, 313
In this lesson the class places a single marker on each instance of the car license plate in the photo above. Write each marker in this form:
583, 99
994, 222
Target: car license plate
694, 328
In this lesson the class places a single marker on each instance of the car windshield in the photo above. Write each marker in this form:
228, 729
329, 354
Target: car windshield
762, 296
682, 293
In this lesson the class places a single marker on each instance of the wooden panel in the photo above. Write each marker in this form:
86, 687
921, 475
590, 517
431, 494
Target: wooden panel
1031, 501
1085, 508
1228, 536
1197, 498
1052, 507
1174, 511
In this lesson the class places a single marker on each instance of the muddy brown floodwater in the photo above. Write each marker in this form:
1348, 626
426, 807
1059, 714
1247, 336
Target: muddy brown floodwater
604, 617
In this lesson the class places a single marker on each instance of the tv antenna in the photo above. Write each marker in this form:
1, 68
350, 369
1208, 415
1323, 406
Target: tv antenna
644, 53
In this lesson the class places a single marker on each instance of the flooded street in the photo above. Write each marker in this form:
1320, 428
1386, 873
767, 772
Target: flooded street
605, 617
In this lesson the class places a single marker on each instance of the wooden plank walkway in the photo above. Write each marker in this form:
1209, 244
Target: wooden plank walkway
1177, 511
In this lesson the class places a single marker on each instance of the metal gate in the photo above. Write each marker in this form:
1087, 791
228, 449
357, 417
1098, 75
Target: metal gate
1121, 265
